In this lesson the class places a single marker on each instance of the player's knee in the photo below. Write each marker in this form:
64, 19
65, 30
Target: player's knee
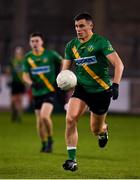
44, 117
71, 119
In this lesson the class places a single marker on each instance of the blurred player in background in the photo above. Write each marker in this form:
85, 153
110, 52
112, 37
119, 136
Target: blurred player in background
91, 54
0, 79
39, 73
16, 84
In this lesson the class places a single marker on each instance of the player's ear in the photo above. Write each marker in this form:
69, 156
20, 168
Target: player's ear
91, 25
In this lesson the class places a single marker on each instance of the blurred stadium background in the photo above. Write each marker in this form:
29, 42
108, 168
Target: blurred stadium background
117, 20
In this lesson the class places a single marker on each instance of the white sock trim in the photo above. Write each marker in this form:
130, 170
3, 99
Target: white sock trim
71, 147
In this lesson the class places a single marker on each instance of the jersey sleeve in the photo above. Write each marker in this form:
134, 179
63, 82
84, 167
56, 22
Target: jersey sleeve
68, 54
25, 65
106, 47
57, 57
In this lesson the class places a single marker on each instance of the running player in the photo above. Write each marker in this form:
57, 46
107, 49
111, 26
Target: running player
39, 73
91, 54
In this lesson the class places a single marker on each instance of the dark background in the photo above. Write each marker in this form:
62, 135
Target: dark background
118, 20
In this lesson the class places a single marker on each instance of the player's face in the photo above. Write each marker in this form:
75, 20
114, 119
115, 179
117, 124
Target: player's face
36, 43
19, 53
83, 28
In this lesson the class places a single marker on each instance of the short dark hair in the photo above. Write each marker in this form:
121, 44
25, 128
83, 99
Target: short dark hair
84, 15
34, 34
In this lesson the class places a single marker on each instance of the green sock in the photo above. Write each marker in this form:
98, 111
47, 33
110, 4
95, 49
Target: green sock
71, 153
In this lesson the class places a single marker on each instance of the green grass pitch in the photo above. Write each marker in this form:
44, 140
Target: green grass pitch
20, 145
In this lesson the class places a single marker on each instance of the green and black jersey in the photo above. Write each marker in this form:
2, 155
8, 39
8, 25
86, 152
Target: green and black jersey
91, 64
42, 69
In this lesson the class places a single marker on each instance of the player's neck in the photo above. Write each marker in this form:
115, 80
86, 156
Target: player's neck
87, 38
38, 52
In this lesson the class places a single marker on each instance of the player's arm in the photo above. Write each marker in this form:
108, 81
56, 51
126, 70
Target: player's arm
118, 66
59, 59
26, 78
66, 64
26, 69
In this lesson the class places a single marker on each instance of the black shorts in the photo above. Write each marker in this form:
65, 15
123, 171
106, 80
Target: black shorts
98, 103
39, 100
17, 88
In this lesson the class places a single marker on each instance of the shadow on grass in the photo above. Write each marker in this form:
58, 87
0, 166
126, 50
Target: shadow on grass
90, 157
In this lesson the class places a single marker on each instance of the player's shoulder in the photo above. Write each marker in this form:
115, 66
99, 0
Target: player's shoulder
99, 37
51, 52
72, 42
28, 54
100, 40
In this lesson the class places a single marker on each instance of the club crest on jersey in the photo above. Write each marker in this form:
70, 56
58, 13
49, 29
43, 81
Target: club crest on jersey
90, 48
86, 60
110, 48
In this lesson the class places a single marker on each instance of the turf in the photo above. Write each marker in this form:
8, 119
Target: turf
20, 145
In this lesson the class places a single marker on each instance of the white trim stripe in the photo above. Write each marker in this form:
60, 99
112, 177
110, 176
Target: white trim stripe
71, 147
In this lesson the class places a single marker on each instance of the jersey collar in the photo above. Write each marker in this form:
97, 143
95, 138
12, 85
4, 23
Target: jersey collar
40, 53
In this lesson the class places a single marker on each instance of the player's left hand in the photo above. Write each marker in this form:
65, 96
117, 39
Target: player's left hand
114, 91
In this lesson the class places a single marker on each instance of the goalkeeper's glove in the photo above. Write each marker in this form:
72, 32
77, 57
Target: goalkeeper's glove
114, 91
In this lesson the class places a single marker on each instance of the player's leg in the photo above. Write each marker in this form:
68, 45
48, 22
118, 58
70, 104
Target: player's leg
19, 106
41, 129
75, 109
99, 128
13, 100
17, 90
16, 107
98, 116
45, 114
13, 109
